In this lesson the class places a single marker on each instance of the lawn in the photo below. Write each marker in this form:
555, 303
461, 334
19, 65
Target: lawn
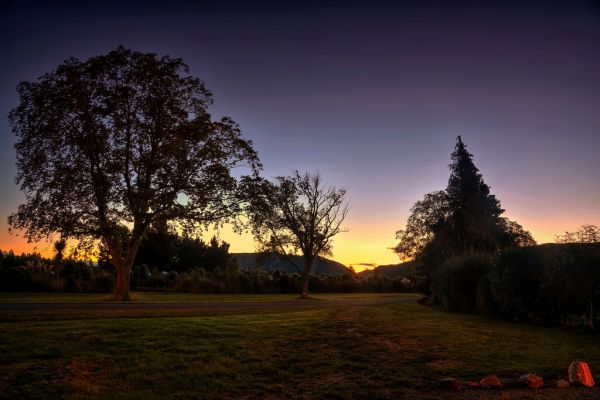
378, 352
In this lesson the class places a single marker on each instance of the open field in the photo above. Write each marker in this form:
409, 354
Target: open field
384, 351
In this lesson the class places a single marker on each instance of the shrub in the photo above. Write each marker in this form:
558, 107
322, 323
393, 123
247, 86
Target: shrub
456, 286
546, 283
103, 282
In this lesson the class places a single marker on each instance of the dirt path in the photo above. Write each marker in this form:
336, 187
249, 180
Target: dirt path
204, 307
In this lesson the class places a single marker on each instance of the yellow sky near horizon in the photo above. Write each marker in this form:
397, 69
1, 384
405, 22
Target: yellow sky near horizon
364, 246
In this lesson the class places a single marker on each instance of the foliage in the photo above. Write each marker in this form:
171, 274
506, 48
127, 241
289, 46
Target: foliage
586, 234
426, 218
458, 283
171, 252
32, 272
463, 219
233, 280
548, 284
296, 214
59, 248
108, 147
474, 218
512, 234
158, 249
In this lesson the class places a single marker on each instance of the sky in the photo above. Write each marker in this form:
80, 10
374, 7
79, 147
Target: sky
370, 94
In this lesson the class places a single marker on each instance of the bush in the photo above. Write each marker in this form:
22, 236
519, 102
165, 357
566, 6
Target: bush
459, 281
546, 283
33, 273
103, 282
516, 281
193, 281
28, 278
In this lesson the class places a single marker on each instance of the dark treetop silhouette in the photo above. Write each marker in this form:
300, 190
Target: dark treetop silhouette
588, 233
296, 214
463, 219
109, 147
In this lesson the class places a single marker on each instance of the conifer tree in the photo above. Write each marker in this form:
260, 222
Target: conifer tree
463, 219
474, 222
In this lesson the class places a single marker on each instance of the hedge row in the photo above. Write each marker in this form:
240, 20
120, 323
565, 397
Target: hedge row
551, 284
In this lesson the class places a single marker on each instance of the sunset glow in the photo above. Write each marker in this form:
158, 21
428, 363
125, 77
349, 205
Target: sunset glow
369, 245
368, 108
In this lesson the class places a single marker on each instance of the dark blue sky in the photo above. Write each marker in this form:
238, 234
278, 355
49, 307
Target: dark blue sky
372, 95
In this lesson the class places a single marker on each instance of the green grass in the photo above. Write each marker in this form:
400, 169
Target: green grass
170, 297
378, 352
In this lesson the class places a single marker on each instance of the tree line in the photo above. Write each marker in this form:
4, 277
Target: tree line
588, 233
211, 269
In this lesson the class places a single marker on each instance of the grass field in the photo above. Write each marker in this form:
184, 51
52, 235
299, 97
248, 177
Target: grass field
377, 352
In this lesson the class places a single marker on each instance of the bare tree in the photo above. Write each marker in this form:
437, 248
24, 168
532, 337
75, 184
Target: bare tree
297, 214
108, 147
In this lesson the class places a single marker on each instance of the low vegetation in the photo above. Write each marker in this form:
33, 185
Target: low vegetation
31, 272
554, 284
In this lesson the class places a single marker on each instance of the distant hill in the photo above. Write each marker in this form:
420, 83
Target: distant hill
390, 271
321, 266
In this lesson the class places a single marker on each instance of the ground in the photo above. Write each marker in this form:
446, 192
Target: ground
271, 347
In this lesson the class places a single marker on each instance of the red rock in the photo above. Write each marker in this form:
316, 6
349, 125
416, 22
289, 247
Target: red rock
531, 380
490, 382
562, 384
580, 374
450, 383
472, 384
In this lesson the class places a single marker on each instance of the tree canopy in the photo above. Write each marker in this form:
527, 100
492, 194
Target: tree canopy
426, 218
474, 220
588, 233
110, 146
465, 218
168, 251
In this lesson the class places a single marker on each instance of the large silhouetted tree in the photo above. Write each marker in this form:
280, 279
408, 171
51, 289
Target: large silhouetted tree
297, 214
463, 219
474, 220
108, 147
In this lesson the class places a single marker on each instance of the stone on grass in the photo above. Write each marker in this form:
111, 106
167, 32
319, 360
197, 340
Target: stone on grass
450, 383
531, 380
580, 374
490, 382
562, 384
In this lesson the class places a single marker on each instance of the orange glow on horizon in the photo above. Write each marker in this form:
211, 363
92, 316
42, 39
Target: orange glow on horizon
365, 246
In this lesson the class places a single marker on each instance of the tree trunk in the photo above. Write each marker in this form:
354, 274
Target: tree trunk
305, 276
123, 262
123, 276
